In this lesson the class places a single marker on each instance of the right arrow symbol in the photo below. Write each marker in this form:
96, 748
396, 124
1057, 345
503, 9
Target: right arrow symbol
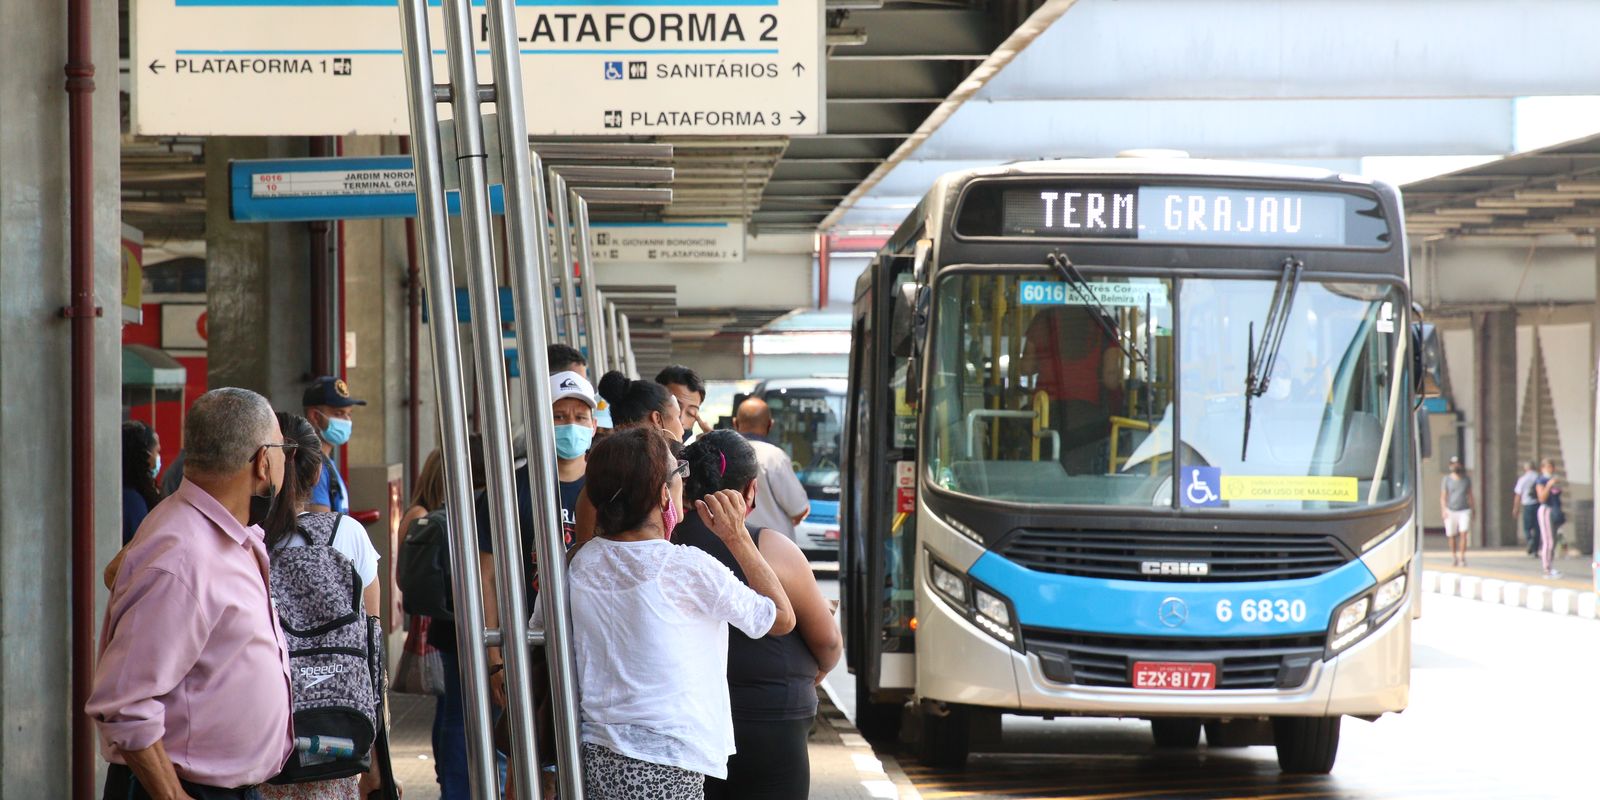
798, 68
799, 118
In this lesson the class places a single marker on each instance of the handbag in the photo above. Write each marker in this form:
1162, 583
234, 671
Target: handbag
421, 668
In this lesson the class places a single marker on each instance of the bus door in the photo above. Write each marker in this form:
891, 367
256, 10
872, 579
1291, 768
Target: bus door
879, 512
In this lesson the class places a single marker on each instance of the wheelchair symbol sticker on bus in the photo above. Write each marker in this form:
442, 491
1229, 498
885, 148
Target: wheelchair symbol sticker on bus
1201, 487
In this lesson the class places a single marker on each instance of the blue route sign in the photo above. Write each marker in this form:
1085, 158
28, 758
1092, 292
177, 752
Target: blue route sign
307, 189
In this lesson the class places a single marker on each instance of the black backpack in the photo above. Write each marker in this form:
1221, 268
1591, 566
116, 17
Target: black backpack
335, 656
423, 569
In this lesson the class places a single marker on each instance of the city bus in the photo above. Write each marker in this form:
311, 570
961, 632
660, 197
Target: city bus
807, 422
1135, 438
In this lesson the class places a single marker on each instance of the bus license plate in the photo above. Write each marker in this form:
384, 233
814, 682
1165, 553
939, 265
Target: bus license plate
1170, 675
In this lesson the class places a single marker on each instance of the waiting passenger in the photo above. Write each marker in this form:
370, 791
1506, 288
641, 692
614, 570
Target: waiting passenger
180, 669
649, 626
771, 680
635, 403
690, 391
141, 463
328, 403
566, 358
1551, 516
288, 527
783, 501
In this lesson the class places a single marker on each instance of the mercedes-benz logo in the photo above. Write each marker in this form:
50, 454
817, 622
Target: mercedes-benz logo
1173, 612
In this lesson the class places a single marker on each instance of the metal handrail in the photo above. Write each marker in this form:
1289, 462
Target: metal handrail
989, 413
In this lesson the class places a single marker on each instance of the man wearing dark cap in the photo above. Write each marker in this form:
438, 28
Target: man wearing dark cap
328, 403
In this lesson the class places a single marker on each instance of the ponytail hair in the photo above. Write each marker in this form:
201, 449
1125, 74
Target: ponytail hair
632, 401
300, 475
624, 478
719, 460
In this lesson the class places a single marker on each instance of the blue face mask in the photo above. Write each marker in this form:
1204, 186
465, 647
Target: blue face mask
155, 471
337, 432
572, 441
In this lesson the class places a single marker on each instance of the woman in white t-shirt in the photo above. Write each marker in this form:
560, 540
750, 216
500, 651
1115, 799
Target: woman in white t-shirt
650, 625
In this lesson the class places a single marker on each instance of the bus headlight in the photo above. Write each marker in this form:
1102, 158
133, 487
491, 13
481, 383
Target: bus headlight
1389, 593
979, 605
949, 584
1351, 616
993, 607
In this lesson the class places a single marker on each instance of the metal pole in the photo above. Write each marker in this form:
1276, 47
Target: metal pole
591, 293
569, 303
614, 339
541, 222
627, 347
495, 426
526, 231
467, 590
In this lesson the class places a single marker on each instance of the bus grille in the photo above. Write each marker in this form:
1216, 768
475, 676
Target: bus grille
1085, 659
1124, 554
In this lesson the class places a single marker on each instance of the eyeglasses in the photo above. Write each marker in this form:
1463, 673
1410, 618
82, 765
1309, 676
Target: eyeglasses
680, 471
286, 447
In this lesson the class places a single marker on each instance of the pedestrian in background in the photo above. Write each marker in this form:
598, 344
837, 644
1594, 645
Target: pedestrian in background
566, 358
1551, 516
1526, 509
635, 403
650, 625
1455, 504
781, 501
772, 680
191, 689
328, 403
690, 391
141, 463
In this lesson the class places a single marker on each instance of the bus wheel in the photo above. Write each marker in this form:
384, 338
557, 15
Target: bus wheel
946, 735
1176, 734
1306, 744
876, 721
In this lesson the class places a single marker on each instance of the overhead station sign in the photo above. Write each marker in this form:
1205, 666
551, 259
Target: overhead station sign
589, 67
642, 242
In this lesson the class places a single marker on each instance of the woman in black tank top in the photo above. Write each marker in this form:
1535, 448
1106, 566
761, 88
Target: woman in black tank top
772, 680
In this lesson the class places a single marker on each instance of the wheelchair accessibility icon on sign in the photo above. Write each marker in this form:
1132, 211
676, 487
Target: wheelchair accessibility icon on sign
1201, 487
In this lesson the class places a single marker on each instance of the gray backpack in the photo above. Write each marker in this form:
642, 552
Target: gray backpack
335, 655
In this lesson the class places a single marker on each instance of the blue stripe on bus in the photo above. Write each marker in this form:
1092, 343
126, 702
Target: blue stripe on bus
824, 512
1133, 608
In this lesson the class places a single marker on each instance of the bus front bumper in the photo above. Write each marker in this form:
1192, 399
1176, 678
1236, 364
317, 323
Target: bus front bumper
1368, 679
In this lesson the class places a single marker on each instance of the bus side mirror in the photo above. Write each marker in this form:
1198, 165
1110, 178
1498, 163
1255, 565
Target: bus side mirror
1427, 360
909, 323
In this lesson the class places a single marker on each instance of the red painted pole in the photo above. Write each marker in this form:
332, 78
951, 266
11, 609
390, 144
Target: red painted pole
82, 312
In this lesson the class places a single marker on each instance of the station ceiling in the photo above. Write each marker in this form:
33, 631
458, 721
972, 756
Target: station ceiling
1552, 191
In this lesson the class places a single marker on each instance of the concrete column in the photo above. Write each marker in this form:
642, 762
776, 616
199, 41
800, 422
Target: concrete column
35, 384
258, 298
1496, 427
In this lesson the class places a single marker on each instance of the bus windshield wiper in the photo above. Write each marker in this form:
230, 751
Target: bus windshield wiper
1264, 359
1103, 317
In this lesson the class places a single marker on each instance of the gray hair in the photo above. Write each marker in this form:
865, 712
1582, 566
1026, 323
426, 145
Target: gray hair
225, 428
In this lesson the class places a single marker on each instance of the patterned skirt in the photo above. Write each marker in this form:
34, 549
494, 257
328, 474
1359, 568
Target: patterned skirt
608, 775
336, 789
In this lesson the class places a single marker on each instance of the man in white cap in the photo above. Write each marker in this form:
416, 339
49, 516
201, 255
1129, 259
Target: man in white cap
572, 407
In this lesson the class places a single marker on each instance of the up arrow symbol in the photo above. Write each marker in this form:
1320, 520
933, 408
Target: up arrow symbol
798, 68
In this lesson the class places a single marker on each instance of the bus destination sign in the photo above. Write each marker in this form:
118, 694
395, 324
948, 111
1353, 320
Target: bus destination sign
1182, 215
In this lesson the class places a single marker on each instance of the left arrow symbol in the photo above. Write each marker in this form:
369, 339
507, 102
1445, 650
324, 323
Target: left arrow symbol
155, 66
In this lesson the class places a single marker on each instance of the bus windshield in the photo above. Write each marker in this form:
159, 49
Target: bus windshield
1035, 400
807, 424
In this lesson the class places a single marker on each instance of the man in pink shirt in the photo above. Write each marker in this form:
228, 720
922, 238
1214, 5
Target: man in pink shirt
191, 693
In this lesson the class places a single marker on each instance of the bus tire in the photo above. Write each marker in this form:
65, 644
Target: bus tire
878, 722
946, 737
1306, 745
1176, 733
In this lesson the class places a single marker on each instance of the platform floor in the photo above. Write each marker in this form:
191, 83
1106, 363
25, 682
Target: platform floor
843, 765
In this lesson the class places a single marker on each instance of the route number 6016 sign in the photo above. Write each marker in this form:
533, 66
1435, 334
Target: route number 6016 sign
1264, 610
